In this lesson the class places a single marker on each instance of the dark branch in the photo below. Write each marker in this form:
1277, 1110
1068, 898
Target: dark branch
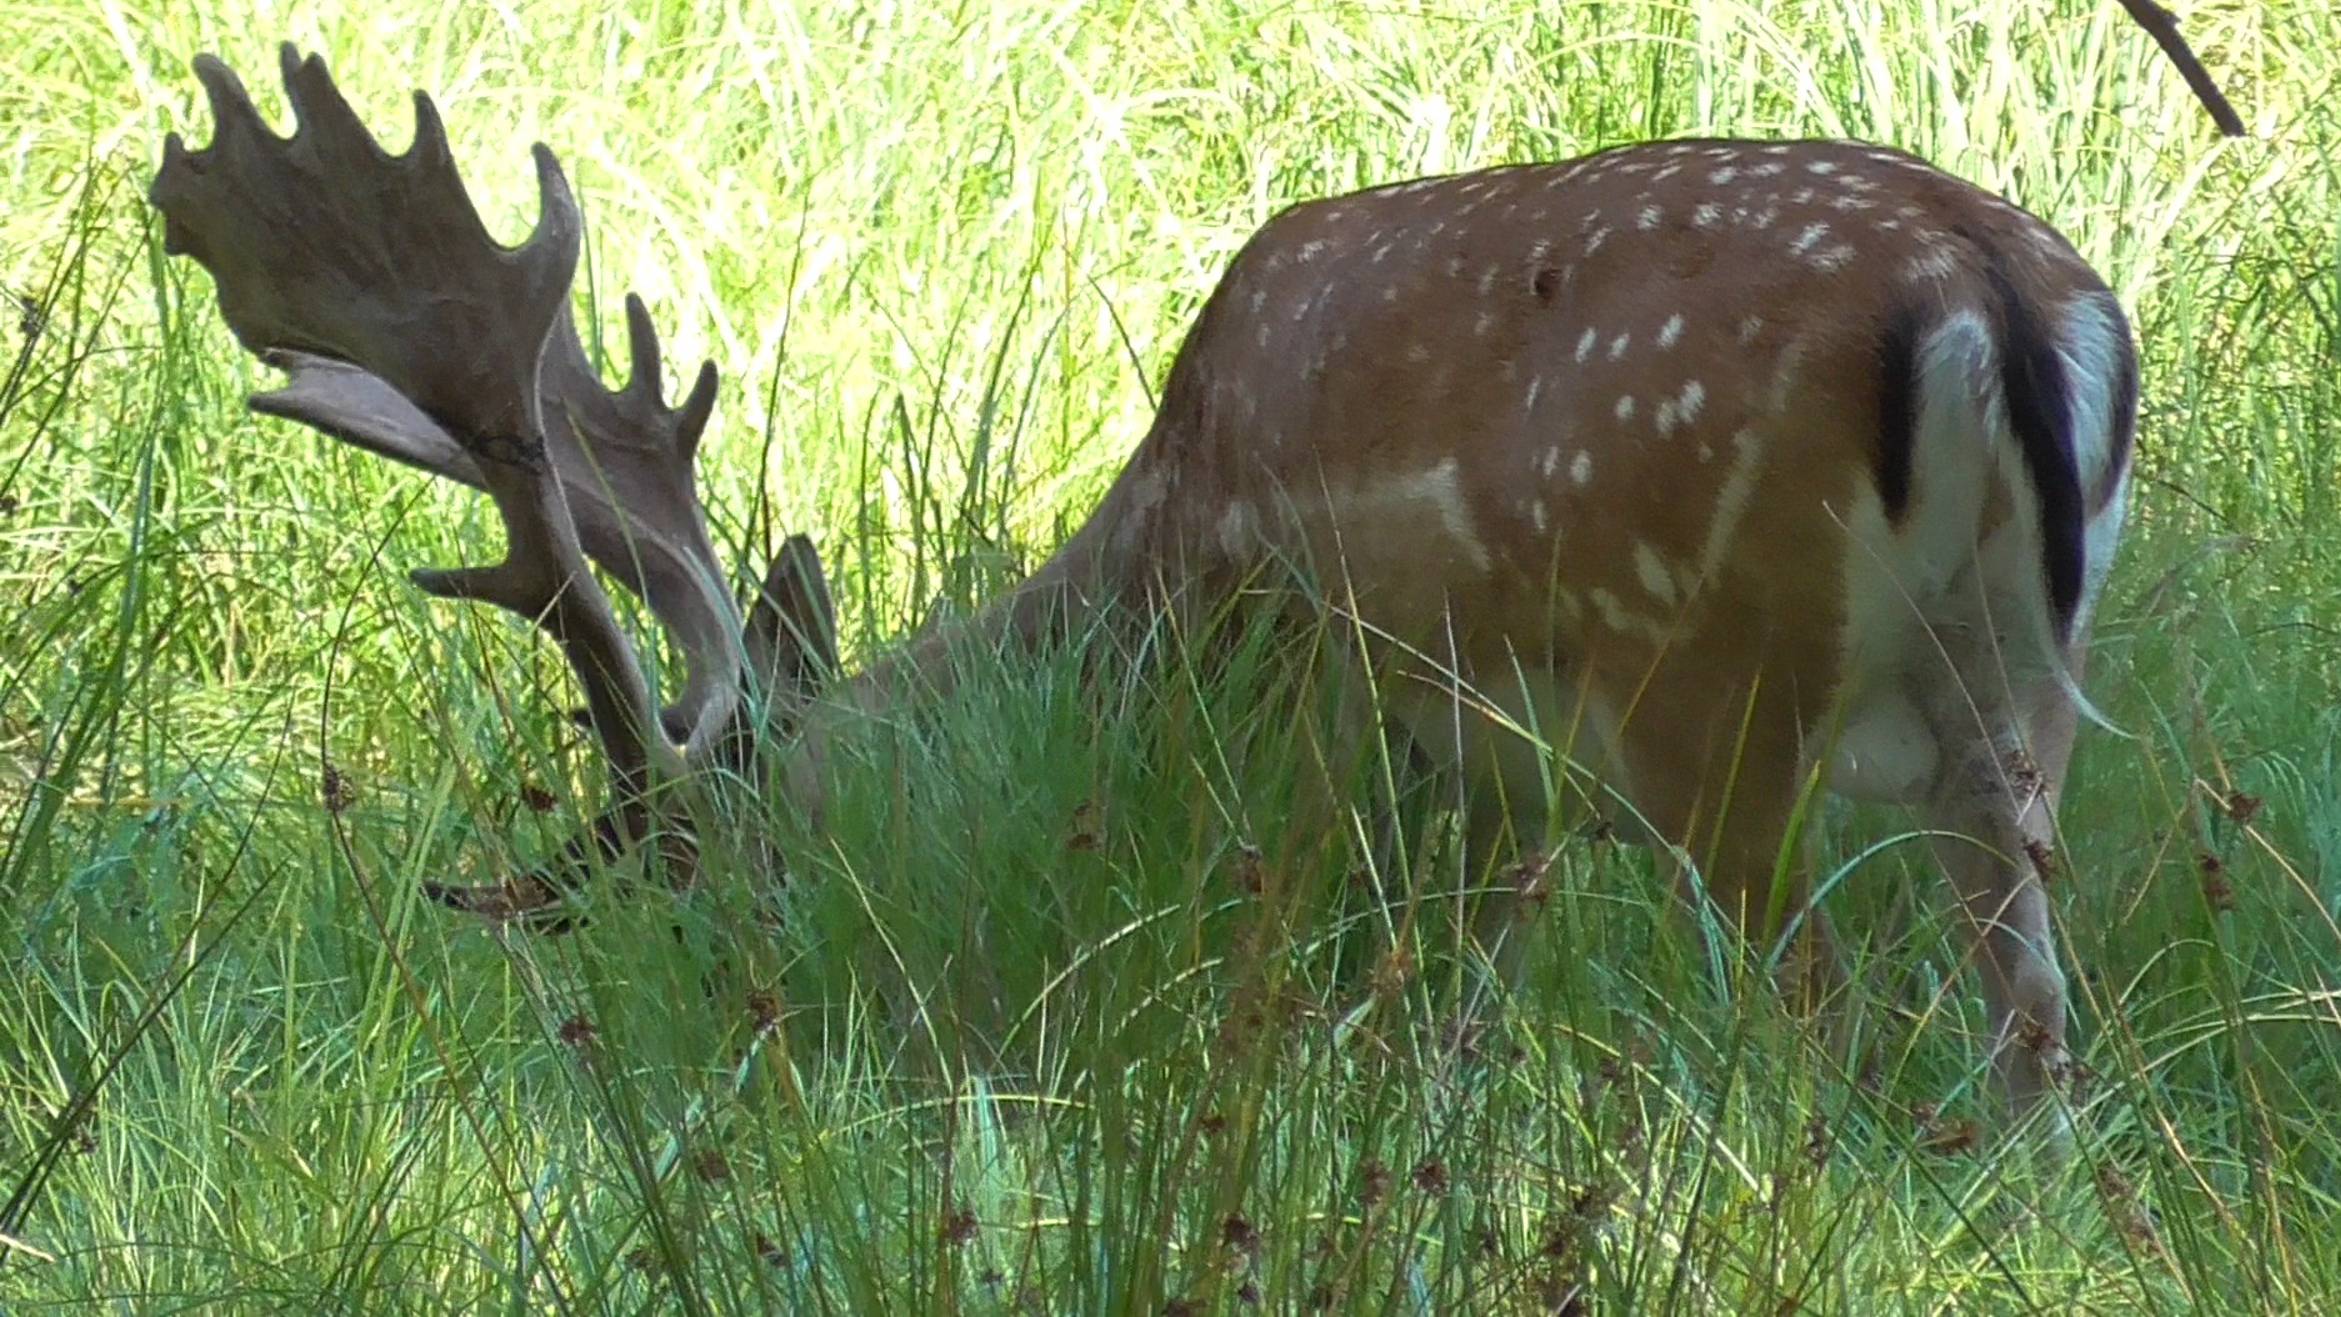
2162, 25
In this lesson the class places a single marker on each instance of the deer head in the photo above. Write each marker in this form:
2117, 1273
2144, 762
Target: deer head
408, 331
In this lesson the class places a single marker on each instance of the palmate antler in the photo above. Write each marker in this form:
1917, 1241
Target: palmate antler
408, 331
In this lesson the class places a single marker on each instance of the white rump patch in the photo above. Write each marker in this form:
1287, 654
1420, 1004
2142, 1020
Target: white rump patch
2090, 342
1955, 452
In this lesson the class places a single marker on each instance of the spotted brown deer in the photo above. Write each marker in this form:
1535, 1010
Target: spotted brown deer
1756, 463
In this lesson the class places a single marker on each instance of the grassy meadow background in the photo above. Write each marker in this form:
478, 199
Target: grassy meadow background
1056, 1017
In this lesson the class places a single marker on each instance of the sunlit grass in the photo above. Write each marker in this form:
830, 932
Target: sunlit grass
1029, 1028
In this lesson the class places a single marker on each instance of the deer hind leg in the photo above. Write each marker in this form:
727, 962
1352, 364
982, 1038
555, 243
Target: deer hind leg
1993, 810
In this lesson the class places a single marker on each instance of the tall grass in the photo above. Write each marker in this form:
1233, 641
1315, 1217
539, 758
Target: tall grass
1058, 1012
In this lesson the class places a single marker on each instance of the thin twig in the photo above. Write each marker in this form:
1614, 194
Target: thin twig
2162, 25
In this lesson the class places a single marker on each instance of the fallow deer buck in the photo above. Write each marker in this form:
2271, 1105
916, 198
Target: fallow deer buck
1754, 461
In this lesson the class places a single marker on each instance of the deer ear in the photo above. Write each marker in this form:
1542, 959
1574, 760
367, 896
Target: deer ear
792, 628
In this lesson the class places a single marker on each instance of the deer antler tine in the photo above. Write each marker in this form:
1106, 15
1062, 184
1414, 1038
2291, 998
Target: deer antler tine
645, 384
429, 152
320, 109
698, 405
551, 252
642, 348
232, 110
487, 585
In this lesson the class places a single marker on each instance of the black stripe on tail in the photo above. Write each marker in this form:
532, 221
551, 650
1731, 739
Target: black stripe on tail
2125, 408
1897, 407
2040, 412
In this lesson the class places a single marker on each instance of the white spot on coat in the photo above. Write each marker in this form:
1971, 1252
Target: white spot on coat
1650, 570
1834, 258
1441, 487
1238, 527
1616, 618
1670, 332
1581, 467
1683, 408
1731, 503
1933, 263
1786, 370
